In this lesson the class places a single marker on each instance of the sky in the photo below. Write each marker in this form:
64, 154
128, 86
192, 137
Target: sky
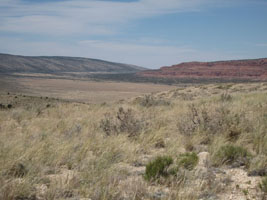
148, 33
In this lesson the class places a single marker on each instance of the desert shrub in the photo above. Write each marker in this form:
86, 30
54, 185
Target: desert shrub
160, 144
233, 134
187, 160
2, 106
196, 118
107, 124
127, 121
201, 119
17, 170
150, 100
225, 86
74, 130
258, 166
188, 143
259, 138
226, 97
9, 106
230, 154
212, 120
124, 121
15, 190
158, 168
189, 123
263, 185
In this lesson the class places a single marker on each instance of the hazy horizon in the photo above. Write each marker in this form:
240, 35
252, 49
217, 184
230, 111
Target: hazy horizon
147, 33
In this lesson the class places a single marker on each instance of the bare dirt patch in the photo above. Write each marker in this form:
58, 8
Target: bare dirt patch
78, 90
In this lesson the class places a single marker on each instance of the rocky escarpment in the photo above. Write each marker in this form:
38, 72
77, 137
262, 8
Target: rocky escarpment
255, 69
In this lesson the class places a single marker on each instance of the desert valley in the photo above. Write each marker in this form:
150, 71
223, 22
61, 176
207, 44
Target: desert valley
88, 134
133, 100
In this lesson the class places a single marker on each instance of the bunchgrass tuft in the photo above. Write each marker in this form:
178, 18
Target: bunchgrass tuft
263, 185
187, 160
231, 154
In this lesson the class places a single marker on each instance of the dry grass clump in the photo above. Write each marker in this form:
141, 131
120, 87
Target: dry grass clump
226, 97
258, 166
230, 154
187, 160
150, 101
100, 151
263, 185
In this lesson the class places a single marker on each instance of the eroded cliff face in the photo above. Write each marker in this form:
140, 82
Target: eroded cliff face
255, 69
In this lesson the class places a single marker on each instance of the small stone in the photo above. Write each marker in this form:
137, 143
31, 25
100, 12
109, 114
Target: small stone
159, 195
203, 159
208, 196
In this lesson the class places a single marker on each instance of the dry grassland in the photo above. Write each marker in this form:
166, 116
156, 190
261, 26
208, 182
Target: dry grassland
214, 137
78, 90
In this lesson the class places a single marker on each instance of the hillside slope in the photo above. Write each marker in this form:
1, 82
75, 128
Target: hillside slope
255, 69
46, 64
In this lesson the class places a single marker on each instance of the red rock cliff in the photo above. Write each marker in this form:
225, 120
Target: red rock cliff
255, 69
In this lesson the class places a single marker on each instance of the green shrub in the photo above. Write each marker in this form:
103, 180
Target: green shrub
245, 192
158, 168
188, 160
263, 185
230, 154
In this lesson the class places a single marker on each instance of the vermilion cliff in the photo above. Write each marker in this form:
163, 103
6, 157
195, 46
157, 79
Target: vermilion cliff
254, 69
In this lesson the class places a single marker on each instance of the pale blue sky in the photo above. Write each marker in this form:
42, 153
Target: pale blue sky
149, 33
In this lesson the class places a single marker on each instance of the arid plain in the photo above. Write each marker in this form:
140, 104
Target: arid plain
74, 136
84, 90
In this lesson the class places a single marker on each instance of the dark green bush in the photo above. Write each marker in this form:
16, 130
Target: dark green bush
187, 160
2, 106
230, 154
158, 168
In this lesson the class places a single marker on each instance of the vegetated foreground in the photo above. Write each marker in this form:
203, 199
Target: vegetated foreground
197, 142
